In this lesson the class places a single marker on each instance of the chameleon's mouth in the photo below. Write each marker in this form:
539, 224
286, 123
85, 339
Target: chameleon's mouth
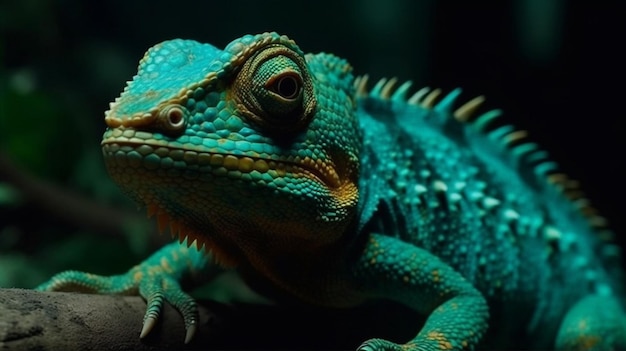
125, 157
155, 155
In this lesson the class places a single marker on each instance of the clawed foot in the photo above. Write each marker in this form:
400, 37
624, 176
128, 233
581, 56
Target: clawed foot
167, 289
155, 283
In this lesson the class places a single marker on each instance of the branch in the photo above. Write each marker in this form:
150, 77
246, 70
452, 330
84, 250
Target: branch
32, 320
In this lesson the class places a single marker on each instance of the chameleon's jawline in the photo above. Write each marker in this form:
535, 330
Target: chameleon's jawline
240, 163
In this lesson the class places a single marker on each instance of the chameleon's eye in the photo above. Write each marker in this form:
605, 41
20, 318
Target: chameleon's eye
288, 86
274, 89
277, 88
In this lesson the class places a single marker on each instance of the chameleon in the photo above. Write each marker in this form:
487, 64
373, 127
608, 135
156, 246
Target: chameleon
286, 168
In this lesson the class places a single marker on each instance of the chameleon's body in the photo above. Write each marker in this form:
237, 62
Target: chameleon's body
286, 168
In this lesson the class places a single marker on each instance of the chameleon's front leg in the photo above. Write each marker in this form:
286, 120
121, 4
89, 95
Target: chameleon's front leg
395, 270
156, 279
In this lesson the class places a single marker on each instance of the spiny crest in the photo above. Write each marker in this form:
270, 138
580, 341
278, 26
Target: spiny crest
187, 236
512, 144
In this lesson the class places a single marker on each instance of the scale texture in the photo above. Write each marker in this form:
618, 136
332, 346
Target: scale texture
285, 167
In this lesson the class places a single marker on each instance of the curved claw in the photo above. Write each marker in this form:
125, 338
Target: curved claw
168, 289
191, 331
148, 324
151, 317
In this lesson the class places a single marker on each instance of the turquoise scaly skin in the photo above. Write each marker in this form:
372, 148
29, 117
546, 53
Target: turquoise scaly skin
284, 166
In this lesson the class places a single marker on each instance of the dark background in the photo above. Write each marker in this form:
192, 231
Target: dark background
556, 68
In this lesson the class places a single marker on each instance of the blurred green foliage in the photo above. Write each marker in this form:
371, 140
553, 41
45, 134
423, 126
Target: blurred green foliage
25, 143
46, 140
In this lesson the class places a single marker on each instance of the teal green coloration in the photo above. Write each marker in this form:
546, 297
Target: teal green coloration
168, 63
284, 166
152, 279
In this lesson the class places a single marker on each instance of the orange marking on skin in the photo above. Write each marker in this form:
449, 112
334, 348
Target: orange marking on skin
587, 342
433, 335
137, 276
374, 243
441, 339
281, 172
435, 276
446, 345
409, 346
166, 265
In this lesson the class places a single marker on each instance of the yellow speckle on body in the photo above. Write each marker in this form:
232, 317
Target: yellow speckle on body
409, 346
166, 265
374, 242
445, 345
138, 276
435, 276
441, 339
588, 342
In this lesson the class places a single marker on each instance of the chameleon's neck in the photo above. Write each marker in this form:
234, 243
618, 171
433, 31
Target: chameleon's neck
312, 273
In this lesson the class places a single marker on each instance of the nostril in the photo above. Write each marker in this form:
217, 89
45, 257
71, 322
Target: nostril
172, 118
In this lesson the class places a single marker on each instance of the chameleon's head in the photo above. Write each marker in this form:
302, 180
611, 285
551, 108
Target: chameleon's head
250, 147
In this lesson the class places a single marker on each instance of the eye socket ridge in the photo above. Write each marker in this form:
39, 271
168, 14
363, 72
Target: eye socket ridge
287, 85
274, 90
